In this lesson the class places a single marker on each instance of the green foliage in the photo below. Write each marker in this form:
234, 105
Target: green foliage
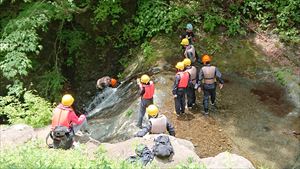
148, 50
153, 17
74, 41
282, 16
35, 155
16, 89
34, 110
50, 84
128, 113
211, 21
20, 40
108, 8
282, 76
191, 164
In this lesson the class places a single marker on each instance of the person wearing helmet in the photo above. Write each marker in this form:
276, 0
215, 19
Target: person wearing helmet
106, 81
190, 91
64, 117
158, 123
189, 50
189, 34
208, 77
179, 88
146, 92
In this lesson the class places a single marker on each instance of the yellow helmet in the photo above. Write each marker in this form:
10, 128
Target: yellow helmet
180, 65
152, 110
185, 42
67, 100
187, 62
145, 79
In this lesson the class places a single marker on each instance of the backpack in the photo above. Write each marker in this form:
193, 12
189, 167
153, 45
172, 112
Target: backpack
162, 147
143, 155
62, 138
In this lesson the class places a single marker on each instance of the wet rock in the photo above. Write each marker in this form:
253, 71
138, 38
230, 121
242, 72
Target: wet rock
227, 160
155, 70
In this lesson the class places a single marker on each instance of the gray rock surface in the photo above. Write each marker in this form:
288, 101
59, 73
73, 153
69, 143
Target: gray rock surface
183, 150
227, 160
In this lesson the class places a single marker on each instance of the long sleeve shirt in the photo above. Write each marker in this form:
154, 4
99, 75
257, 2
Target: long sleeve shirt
175, 85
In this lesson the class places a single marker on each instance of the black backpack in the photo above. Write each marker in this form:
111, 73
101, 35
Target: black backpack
62, 137
162, 147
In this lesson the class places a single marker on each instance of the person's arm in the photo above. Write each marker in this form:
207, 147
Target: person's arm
190, 56
142, 90
144, 131
170, 128
199, 80
175, 86
219, 78
74, 119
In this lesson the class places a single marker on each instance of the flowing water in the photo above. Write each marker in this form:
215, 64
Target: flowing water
254, 112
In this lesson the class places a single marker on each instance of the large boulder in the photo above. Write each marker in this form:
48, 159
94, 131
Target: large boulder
227, 160
183, 149
15, 135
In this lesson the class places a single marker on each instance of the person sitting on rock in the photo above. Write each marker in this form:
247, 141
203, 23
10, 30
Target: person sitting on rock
106, 81
158, 123
65, 123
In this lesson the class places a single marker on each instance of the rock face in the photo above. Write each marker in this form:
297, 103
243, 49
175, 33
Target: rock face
183, 150
227, 160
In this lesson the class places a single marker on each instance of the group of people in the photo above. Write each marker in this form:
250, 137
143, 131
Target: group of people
193, 73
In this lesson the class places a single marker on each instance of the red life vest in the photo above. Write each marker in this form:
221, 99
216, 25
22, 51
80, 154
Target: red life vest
60, 118
149, 90
184, 79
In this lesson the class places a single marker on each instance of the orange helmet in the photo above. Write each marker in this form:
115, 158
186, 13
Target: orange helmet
113, 82
205, 59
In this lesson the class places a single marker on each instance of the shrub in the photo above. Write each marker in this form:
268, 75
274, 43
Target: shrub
34, 110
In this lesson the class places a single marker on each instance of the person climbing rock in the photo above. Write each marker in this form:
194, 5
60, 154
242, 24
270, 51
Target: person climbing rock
158, 123
189, 50
190, 91
65, 123
146, 92
106, 81
208, 75
189, 34
179, 88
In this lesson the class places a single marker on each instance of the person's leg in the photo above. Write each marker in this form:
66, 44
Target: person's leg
189, 94
177, 104
193, 93
213, 96
141, 112
182, 100
205, 100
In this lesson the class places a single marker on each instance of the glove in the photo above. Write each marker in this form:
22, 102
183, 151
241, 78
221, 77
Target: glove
196, 86
138, 81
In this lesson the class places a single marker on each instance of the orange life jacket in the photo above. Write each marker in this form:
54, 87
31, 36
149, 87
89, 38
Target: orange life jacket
184, 79
60, 118
149, 90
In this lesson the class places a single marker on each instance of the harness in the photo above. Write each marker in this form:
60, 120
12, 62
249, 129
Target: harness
61, 136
